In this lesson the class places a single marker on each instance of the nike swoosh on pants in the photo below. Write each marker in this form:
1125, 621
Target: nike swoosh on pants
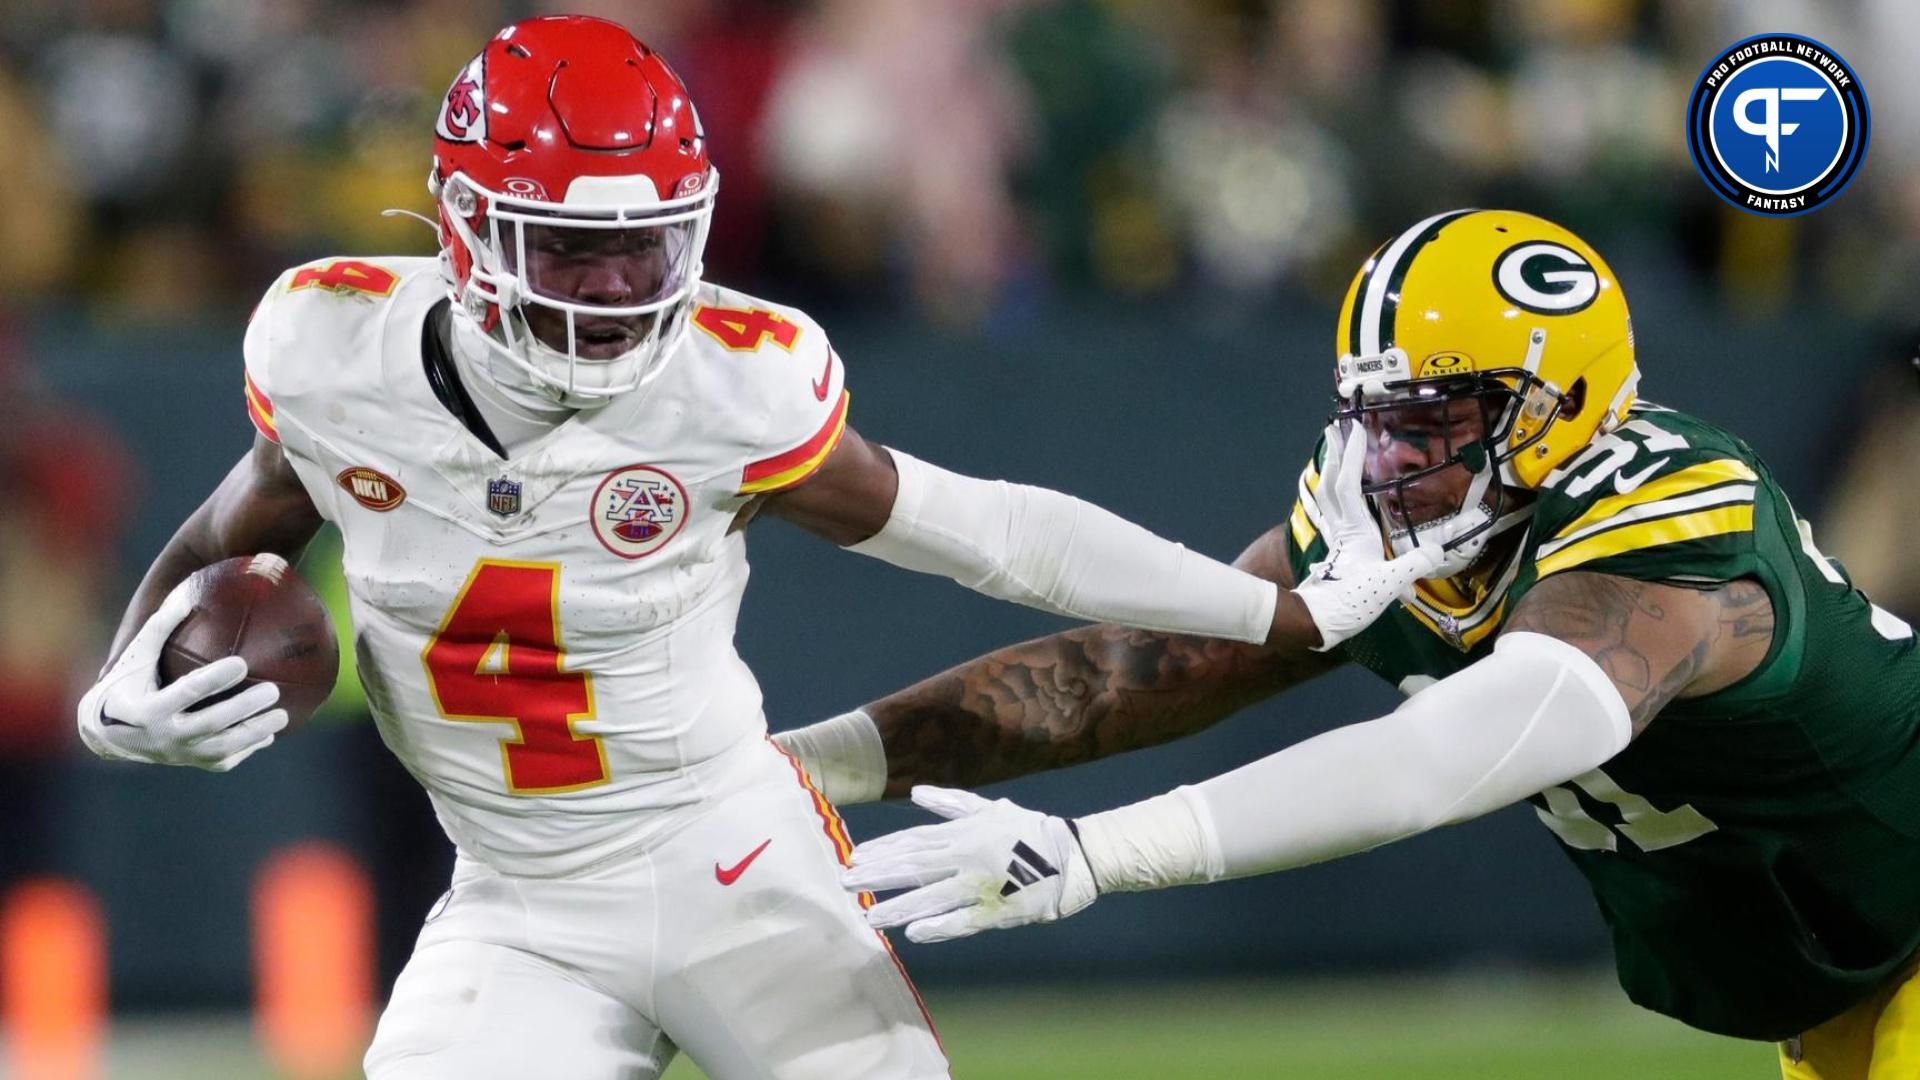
731, 874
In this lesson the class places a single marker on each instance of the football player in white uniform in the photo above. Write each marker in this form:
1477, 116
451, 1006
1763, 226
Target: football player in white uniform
541, 449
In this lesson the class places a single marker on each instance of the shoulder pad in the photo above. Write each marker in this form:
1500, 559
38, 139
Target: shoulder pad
1661, 481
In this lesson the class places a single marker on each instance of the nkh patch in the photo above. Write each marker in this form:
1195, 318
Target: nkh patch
371, 488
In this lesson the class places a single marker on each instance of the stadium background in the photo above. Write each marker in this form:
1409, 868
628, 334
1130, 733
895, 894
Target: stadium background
1096, 244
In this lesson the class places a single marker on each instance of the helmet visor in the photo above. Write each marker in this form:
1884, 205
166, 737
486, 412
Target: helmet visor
1426, 443
622, 265
603, 285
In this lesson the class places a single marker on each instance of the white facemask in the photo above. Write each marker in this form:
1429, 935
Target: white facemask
1476, 512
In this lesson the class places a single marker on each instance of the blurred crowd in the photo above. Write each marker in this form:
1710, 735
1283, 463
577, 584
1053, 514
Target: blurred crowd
166, 157
961, 159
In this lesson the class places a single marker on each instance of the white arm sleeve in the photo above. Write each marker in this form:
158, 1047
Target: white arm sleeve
1535, 713
1056, 553
842, 756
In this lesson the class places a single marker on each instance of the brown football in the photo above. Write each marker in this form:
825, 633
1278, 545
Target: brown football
257, 607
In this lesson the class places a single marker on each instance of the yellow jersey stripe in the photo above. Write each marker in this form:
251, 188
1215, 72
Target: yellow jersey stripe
1303, 531
1304, 519
1445, 595
1714, 521
1724, 495
1468, 638
1691, 478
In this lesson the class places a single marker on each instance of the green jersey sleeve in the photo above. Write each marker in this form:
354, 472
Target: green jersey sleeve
1664, 498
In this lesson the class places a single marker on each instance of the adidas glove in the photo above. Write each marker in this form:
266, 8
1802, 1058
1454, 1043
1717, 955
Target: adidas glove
991, 865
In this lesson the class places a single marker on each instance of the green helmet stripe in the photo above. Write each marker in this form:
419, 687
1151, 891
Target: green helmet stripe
1390, 302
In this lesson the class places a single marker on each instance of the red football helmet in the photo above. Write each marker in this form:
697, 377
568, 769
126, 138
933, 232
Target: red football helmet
574, 193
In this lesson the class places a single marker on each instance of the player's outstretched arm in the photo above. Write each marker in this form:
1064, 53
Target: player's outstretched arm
1655, 642
1055, 701
1057, 553
1585, 663
259, 507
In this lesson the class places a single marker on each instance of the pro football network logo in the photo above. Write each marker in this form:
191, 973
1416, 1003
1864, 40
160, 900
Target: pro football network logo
636, 510
1778, 124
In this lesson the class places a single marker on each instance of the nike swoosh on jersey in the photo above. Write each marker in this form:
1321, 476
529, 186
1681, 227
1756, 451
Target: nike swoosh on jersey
1624, 484
731, 874
826, 378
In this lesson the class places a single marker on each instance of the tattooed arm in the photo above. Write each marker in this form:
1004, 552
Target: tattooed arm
1080, 695
1587, 659
1656, 642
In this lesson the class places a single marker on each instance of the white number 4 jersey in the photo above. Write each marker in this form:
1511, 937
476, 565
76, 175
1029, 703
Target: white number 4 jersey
546, 642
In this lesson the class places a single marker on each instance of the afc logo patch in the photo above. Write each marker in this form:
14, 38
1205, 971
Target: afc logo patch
636, 510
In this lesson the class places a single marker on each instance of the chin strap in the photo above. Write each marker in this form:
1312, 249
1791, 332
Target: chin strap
1462, 536
507, 381
421, 218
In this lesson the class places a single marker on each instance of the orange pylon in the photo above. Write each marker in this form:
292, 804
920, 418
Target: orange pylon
53, 981
313, 953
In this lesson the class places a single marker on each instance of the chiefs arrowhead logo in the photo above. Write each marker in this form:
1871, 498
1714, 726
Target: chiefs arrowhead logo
463, 116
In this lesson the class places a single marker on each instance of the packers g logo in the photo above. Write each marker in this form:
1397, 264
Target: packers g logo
1777, 124
1547, 278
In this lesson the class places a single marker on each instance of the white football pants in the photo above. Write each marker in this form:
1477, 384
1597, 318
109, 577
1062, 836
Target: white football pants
731, 939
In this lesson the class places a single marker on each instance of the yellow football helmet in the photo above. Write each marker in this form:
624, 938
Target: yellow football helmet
1500, 307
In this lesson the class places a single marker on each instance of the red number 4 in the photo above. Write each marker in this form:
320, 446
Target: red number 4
498, 658
746, 329
346, 275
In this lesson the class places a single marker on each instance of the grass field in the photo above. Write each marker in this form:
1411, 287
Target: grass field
1439, 1030
1477, 1029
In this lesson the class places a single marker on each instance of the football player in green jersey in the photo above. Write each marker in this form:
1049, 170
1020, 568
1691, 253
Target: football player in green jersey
1632, 631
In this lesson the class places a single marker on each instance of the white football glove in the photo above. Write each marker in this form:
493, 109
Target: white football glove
1357, 581
129, 716
990, 866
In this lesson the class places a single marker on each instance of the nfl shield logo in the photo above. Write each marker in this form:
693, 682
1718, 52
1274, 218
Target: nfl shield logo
503, 496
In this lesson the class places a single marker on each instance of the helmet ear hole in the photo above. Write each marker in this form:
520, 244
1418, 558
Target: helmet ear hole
1575, 399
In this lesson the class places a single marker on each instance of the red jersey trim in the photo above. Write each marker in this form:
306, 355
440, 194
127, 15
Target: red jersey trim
260, 411
788, 469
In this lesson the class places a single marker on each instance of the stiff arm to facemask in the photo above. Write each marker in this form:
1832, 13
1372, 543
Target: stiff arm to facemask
1356, 580
1057, 553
